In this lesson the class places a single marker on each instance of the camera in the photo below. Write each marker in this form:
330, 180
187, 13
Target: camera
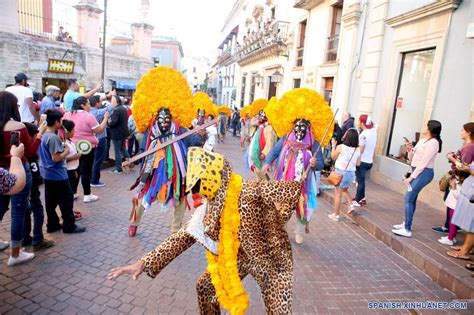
15, 138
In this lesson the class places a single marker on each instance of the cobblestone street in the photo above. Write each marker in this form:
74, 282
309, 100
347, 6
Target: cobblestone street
339, 268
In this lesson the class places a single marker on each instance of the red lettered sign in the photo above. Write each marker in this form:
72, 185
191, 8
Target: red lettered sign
399, 103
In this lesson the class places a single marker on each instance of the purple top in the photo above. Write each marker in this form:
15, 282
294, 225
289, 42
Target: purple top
7, 181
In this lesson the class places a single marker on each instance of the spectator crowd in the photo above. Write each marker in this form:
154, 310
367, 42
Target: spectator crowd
57, 143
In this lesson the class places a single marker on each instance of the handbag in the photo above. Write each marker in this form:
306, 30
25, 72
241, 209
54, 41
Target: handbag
444, 181
335, 178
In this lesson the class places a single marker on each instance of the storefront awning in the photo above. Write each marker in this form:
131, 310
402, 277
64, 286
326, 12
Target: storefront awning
122, 84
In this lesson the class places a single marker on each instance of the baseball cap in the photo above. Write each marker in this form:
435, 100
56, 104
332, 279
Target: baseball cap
52, 88
366, 120
20, 77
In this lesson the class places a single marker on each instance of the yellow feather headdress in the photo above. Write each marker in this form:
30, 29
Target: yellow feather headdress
257, 106
162, 87
224, 109
300, 103
202, 101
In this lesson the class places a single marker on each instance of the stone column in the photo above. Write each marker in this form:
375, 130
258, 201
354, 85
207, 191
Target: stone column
142, 34
88, 23
347, 53
9, 20
376, 32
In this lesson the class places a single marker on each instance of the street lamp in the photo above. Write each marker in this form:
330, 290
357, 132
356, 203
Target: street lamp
276, 77
258, 79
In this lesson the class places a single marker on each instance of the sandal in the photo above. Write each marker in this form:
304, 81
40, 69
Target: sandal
456, 247
457, 255
470, 267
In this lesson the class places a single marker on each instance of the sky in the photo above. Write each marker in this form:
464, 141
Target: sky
196, 24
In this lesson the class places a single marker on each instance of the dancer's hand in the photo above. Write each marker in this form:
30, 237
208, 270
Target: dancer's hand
265, 169
313, 162
134, 270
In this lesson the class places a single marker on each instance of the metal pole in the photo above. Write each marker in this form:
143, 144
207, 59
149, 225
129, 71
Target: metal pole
103, 43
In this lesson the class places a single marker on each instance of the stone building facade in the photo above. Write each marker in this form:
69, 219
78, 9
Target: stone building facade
23, 52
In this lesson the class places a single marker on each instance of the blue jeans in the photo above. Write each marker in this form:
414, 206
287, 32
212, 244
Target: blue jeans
423, 179
361, 170
120, 152
19, 204
35, 208
99, 157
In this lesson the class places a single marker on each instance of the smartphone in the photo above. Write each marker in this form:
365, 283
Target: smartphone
15, 138
42, 119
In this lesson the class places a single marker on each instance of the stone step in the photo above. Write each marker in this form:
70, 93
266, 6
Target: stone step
384, 209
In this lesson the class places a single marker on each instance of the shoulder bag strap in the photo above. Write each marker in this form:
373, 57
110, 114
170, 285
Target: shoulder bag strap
350, 159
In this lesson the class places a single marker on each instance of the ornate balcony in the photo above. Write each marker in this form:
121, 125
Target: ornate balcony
269, 42
307, 4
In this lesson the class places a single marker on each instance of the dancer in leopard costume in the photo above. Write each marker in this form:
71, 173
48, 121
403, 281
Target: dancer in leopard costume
264, 249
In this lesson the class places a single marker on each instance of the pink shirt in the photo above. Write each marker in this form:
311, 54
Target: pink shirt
85, 123
424, 155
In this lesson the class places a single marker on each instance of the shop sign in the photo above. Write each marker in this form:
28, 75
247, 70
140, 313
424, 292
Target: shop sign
399, 103
60, 66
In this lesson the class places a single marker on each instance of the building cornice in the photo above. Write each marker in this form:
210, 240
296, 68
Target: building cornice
423, 12
351, 15
88, 7
144, 25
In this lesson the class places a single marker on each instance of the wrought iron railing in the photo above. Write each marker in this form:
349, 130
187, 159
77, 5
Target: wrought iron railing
333, 43
277, 33
48, 19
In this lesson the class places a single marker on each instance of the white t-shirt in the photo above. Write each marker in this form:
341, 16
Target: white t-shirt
74, 164
368, 138
22, 93
211, 140
347, 159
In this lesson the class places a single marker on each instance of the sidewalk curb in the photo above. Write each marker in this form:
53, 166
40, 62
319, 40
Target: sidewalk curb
462, 285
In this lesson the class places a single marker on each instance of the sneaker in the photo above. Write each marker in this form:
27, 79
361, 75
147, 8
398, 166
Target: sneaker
115, 172
54, 229
299, 238
90, 198
399, 226
76, 196
4, 245
355, 203
402, 232
77, 229
440, 229
22, 257
446, 241
43, 245
363, 202
333, 217
99, 184
351, 209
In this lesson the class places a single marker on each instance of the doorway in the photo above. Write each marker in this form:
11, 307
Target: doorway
410, 103
60, 83
272, 88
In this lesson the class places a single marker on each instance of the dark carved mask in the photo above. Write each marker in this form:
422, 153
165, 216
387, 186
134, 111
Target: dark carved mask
301, 127
262, 117
164, 120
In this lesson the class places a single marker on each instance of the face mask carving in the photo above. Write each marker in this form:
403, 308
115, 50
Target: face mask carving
301, 128
164, 120
262, 117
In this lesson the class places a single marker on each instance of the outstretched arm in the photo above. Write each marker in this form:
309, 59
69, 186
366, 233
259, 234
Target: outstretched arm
153, 262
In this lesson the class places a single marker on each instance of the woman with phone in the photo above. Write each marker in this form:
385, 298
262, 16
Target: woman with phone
13, 133
422, 158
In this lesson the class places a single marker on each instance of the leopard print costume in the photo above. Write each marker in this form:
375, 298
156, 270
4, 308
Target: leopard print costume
265, 250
